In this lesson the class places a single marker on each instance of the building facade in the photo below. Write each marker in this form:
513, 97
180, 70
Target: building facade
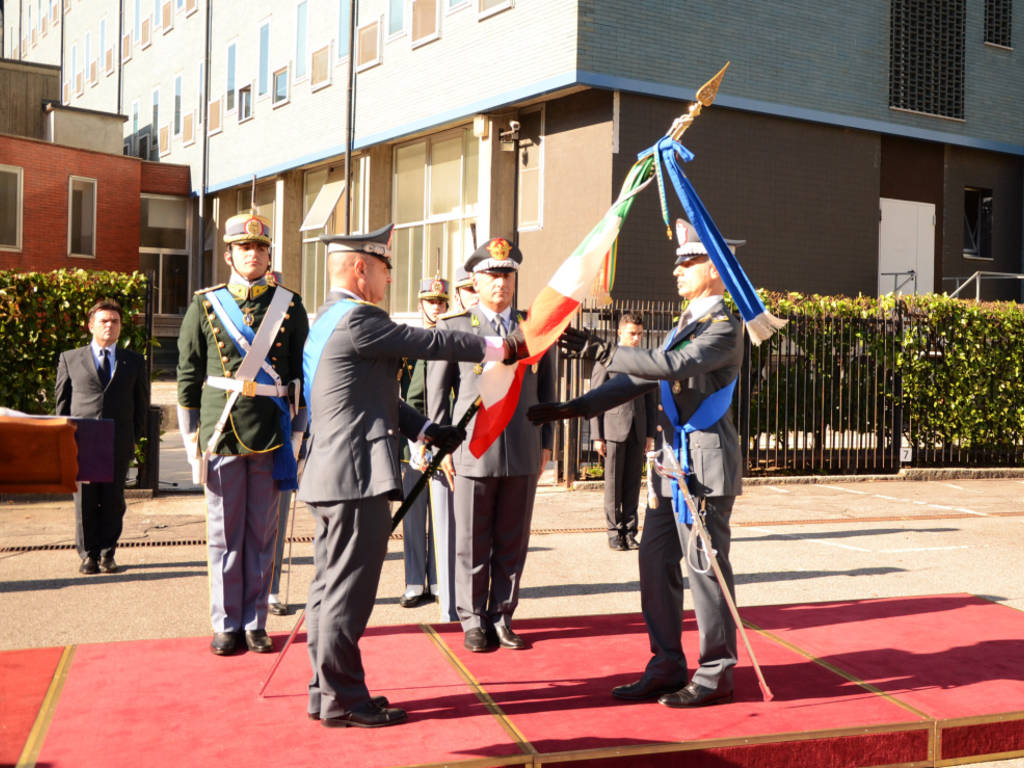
858, 148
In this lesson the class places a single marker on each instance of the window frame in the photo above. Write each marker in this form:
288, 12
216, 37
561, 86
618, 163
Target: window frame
95, 204
302, 53
19, 226
263, 60
179, 85
248, 87
979, 252
406, 17
316, 86
416, 42
231, 76
370, 63
275, 102
161, 252
501, 5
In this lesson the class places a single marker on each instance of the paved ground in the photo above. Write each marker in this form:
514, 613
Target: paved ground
793, 543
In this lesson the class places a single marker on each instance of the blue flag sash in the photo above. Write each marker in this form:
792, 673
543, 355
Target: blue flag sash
711, 409
285, 468
319, 334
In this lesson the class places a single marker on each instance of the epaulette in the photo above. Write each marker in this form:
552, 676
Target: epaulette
721, 317
521, 315
211, 288
450, 315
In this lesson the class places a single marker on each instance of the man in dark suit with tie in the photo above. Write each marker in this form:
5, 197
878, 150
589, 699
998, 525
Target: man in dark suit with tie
494, 493
622, 435
699, 362
104, 381
352, 471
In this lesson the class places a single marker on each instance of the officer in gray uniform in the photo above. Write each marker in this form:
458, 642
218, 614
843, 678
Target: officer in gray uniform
701, 356
493, 494
352, 468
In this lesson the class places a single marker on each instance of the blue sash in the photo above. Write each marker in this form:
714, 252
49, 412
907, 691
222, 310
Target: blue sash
285, 468
319, 334
711, 409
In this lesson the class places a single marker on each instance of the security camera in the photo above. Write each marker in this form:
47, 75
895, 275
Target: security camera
513, 124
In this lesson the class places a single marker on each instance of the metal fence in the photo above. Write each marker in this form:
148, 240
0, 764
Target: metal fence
824, 396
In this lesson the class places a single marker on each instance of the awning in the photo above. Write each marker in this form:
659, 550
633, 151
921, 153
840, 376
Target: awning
322, 208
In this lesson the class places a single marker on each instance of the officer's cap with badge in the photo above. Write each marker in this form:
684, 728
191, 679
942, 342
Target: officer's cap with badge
247, 227
433, 289
690, 246
496, 255
376, 243
462, 278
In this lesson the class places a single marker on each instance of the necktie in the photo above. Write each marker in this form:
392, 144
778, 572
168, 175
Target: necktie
499, 325
104, 367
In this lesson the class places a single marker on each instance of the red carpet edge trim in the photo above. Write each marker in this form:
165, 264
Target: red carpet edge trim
480, 692
34, 742
839, 671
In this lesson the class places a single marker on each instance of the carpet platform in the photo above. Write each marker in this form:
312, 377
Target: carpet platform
917, 681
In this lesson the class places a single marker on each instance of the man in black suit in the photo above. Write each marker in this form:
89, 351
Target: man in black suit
622, 435
104, 381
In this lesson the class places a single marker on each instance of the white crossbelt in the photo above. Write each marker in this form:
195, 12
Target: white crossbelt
247, 387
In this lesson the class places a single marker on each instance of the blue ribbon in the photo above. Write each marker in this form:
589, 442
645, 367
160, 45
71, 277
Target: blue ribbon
315, 343
667, 153
711, 409
285, 469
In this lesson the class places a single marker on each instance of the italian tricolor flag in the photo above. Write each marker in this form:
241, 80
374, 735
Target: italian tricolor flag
552, 311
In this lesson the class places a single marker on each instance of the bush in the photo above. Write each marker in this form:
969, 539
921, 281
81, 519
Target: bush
45, 313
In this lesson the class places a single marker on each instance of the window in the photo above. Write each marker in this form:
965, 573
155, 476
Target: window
280, 86
323, 210
344, 32
435, 186
926, 57
147, 36
489, 7
135, 128
156, 122
264, 70
103, 43
396, 17
262, 205
188, 132
998, 22
138, 20
156, 14
425, 21
126, 48
81, 217
229, 97
245, 103
368, 45
90, 70
978, 224
301, 37
177, 105
320, 72
74, 64
202, 91
163, 250
214, 117
191, 6
179, 4
531, 170
165, 140
11, 192
167, 17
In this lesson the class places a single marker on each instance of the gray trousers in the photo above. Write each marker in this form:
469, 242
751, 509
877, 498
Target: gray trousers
661, 596
442, 512
492, 534
417, 536
241, 521
623, 470
348, 554
284, 508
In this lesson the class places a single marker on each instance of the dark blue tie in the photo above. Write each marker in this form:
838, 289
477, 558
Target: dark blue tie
104, 367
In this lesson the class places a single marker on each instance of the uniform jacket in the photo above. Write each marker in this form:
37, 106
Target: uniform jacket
517, 451
708, 360
125, 398
205, 349
355, 411
635, 419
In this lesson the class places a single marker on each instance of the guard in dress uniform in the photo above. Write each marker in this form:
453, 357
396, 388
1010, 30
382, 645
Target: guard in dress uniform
419, 524
239, 406
463, 293
493, 494
695, 371
352, 470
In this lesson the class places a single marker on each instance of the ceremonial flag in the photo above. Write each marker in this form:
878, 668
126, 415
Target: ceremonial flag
551, 312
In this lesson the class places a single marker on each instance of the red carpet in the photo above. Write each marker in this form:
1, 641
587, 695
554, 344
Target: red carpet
883, 682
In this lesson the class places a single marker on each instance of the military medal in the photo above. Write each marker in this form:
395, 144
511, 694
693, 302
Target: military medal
478, 369
474, 321
677, 387
534, 367
247, 317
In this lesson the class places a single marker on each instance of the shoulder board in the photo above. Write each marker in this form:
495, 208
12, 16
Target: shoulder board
450, 315
211, 288
521, 315
720, 317
281, 285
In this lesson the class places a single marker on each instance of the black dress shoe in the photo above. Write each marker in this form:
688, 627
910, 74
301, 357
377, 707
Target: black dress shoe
618, 544
378, 701
695, 695
476, 640
107, 565
631, 542
643, 689
89, 566
412, 601
226, 643
509, 639
258, 641
367, 715
278, 609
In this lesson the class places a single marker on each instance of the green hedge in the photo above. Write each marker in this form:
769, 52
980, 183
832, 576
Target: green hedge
44, 313
952, 365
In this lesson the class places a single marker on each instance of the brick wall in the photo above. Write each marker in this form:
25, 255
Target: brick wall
165, 179
47, 169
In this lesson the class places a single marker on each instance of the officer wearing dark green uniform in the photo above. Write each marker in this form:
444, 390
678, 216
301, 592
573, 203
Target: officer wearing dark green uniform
239, 397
